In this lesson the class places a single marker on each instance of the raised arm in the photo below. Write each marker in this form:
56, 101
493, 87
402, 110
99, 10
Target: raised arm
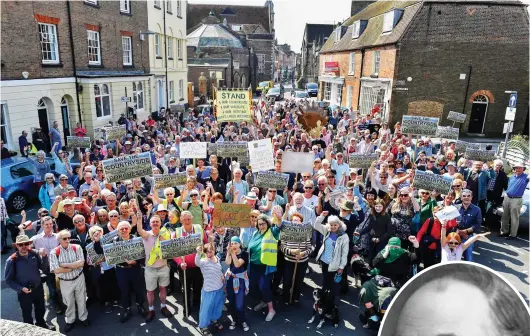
139, 225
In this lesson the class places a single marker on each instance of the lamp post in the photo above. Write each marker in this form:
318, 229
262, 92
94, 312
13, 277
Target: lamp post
509, 122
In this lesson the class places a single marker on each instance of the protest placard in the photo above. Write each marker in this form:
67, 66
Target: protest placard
231, 215
336, 198
173, 180
430, 182
456, 117
212, 148
480, 154
461, 146
75, 142
447, 132
114, 132
127, 167
233, 105
295, 233
232, 149
297, 162
92, 257
419, 125
260, 153
193, 150
180, 247
358, 160
448, 213
121, 251
268, 179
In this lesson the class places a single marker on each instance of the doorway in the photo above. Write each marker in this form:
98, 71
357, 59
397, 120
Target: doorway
66, 118
161, 94
42, 110
478, 115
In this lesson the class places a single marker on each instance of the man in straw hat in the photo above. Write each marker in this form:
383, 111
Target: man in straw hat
513, 201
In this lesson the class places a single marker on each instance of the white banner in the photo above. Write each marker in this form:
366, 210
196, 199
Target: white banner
297, 162
426, 126
193, 150
261, 155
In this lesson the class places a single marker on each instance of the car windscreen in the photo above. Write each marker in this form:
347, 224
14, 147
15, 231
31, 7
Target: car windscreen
274, 90
301, 95
312, 86
261, 84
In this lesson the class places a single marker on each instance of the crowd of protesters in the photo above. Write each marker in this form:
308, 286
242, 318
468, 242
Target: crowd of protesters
382, 219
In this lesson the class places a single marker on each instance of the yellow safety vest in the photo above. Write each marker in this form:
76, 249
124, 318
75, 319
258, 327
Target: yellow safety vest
156, 252
269, 249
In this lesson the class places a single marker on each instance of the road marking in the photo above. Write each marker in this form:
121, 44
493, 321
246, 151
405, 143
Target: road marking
528, 241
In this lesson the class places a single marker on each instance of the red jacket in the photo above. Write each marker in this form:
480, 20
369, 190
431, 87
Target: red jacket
435, 231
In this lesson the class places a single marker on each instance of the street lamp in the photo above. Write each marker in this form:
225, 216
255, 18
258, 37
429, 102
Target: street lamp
147, 32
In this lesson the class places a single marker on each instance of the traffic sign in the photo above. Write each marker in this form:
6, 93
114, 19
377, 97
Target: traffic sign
508, 127
125, 99
510, 113
513, 100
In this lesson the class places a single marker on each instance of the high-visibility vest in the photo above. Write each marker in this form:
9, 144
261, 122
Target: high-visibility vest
269, 249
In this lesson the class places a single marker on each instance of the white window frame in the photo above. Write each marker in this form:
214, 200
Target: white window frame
179, 48
157, 45
125, 6
156, 3
388, 21
51, 45
356, 29
236, 27
181, 88
127, 53
171, 91
377, 62
92, 2
169, 6
97, 40
261, 63
4, 127
327, 91
137, 93
169, 46
179, 8
351, 70
102, 96
236, 65
349, 96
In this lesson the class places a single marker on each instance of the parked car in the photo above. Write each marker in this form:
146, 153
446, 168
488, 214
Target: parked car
523, 217
312, 89
263, 87
275, 92
18, 183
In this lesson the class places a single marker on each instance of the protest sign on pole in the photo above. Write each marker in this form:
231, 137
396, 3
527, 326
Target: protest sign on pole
261, 156
336, 198
419, 125
75, 142
193, 150
447, 132
93, 257
231, 215
127, 167
461, 146
268, 179
297, 162
457, 117
480, 154
295, 233
114, 132
121, 251
359, 160
232, 149
180, 247
173, 180
430, 182
233, 105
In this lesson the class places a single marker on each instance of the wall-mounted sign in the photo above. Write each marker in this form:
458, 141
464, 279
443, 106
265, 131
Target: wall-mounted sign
331, 67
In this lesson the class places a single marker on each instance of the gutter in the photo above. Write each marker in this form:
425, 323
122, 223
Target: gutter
71, 38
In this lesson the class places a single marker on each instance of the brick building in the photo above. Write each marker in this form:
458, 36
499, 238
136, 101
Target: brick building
253, 25
72, 61
285, 62
315, 35
431, 57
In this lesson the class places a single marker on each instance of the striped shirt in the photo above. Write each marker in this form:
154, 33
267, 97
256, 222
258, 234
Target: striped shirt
211, 272
66, 256
306, 212
306, 248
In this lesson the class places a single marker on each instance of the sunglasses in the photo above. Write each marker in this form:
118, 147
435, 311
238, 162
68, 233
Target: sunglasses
66, 238
425, 193
466, 196
403, 195
24, 244
272, 191
253, 216
453, 243
145, 204
111, 216
124, 229
260, 224
457, 186
383, 177
194, 195
44, 214
79, 221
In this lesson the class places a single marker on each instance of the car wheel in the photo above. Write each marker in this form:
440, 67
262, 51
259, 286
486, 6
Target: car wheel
17, 201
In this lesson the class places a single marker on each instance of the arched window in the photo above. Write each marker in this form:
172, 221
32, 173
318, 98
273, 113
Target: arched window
41, 104
102, 100
481, 99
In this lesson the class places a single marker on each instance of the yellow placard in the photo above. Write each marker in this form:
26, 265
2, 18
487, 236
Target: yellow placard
231, 215
233, 105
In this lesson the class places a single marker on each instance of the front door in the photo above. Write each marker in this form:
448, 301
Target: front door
478, 116
66, 122
43, 123
161, 94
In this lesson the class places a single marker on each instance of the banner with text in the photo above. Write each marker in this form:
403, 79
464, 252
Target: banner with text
297, 162
461, 146
127, 167
233, 105
261, 155
114, 132
430, 182
480, 154
336, 198
180, 247
193, 150
419, 125
456, 117
232, 149
447, 132
173, 180
125, 250
268, 179
296, 233
231, 215
93, 257
358, 160
81, 142
212, 148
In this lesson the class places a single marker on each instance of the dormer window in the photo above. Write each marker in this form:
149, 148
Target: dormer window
337, 34
391, 19
237, 28
356, 29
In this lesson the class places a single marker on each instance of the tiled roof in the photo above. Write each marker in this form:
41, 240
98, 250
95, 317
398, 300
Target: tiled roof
314, 30
253, 29
372, 35
243, 14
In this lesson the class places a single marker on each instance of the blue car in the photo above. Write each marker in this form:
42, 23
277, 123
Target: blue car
18, 183
311, 89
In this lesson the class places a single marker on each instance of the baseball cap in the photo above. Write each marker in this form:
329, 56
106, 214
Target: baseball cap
68, 202
401, 171
128, 143
70, 188
451, 163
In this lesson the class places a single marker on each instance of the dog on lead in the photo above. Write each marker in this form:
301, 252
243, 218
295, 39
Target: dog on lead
324, 308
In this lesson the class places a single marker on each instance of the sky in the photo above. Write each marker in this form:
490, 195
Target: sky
292, 15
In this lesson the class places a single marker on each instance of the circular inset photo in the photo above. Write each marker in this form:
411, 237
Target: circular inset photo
457, 299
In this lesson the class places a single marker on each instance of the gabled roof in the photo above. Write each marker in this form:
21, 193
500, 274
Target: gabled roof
314, 30
237, 14
372, 35
253, 29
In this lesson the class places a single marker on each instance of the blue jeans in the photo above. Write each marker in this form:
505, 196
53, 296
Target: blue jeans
262, 281
468, 253
237, 300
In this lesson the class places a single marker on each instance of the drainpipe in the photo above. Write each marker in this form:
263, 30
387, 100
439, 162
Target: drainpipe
231, 69
71, 36
249, 69
360, 76
467, 89
165, 47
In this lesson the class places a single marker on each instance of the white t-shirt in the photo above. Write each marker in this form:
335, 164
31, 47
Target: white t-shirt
311, 202
455, 255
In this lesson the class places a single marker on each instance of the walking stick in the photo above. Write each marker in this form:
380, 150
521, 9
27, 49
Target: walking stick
185, 295
294, 277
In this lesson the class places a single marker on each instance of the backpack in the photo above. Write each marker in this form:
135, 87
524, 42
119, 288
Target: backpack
427, 238
58, 250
